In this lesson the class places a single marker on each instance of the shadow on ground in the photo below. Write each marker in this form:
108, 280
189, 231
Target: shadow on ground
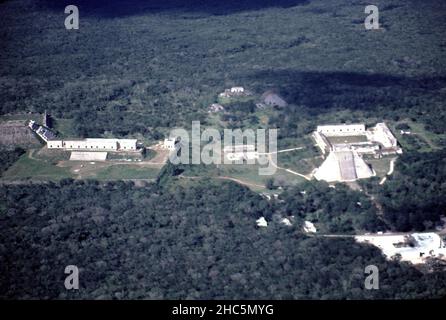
352, 90
118, 8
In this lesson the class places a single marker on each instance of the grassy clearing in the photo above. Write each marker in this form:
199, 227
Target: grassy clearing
123, 171
381, 166
65, 127
51, 156
250, 174
348, 139
420, 139
21, 117
27, 168
303, 161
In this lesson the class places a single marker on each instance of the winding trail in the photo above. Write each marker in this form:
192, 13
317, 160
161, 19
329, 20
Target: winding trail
391, 169
289, 170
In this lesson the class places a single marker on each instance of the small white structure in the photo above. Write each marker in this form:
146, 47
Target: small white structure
415, 248
237, 90
240, 152
239, 148
215, 107
309, 227
261, 222
286, 222
169, 143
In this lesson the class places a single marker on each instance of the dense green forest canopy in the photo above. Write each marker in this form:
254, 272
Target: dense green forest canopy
139, 68
8, 157
172, 242
158, 64
413, 198
336, 210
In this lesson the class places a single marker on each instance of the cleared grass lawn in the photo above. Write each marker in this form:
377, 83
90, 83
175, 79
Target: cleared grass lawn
124, 171
23, 117
26, 168
347, 139
246, 172
250, 174
420, 139
65, 127
52, 156
302, 161
381, 166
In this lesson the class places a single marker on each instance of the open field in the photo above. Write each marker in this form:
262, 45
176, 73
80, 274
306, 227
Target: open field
52, 156
54, 165
303, 161
347, 139
123, 172
28, 168
65, 127
419, 138
381, 166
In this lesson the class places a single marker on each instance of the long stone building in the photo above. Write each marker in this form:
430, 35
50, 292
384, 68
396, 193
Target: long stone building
96, 144
342, 129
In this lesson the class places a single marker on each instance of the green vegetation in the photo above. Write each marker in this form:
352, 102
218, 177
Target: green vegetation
8, 157
163, 67
413, 197
381, 166
192, 241
140, 68
303, 161
334, 210
28, 168
65, 128
50, 155
126, 171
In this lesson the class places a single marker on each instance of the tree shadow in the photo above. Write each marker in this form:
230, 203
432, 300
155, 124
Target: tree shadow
352, 90
120, 8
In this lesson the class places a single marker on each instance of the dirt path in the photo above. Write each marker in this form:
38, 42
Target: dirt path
242, 182
280, 151
288, 170
248, 184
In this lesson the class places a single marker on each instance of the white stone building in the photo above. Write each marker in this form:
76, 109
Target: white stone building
169, 144
94, 144
382, 134
343, 166
342, 130
415, 248
237, 90
344, 161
